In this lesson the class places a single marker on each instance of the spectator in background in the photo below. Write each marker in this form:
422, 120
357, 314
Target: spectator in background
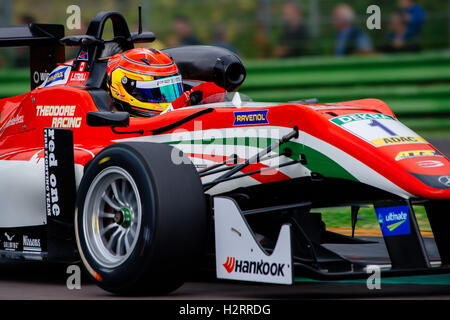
414, 16
293, 40
156, 44
398, 38
220, 39
183, 32
261, 42
350, 39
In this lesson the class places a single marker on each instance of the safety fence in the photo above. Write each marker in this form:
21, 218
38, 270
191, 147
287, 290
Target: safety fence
415, 86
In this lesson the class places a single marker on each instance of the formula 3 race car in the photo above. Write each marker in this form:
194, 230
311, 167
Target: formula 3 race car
231, 185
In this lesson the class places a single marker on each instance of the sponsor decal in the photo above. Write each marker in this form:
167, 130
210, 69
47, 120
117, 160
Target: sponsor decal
397, 140
157, 83
57, 75
8, 237
229, 264
434, 181
51, 183
393, 221
416, 154
341, 120
16, 120
377, 129
39, 76
26, 239
430, 164
78, 76
10, 244
30, 244
254, 267
63, 116
82, 66
243, 118
445, 180
238, 253
83, 56
117, 93
59, 182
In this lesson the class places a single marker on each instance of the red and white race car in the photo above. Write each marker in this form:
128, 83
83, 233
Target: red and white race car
229, 183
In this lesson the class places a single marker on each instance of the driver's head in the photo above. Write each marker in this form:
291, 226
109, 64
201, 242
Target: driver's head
144, 81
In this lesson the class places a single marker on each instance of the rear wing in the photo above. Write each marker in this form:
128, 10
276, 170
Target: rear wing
46, 51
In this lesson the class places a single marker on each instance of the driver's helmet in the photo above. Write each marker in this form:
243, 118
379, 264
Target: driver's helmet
143, 81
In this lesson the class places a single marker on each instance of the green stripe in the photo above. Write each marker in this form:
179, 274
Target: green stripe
316, 161
418, 280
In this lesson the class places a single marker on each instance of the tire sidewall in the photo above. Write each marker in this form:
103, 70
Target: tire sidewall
127, 272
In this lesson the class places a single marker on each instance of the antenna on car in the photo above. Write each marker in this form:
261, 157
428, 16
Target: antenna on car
140, 19
141, 37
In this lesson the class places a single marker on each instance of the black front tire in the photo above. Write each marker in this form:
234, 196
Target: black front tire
172, 232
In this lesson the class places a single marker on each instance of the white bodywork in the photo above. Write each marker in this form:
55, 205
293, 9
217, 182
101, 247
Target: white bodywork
240, 257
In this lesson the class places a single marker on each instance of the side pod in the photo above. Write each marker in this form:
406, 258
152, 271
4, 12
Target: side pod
238, 254
60, 192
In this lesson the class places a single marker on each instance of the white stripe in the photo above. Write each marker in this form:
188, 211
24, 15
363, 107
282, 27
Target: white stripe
86, 150
21, 151
158, 83
355, 167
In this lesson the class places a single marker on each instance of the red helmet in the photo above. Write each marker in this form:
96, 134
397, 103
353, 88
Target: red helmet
144, 81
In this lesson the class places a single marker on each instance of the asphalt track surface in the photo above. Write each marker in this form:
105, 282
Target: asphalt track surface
34, 281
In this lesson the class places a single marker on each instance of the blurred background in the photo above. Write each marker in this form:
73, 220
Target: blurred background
293, 49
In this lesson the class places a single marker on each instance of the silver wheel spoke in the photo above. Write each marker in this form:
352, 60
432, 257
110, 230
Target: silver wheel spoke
134, 206
112, 216
123, 190
106, 215
132, 232
127, 244
119, 243
108, 228
110, 202
129, 198
110, 242
116, 194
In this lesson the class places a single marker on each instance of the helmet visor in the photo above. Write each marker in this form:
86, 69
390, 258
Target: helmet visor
160, 90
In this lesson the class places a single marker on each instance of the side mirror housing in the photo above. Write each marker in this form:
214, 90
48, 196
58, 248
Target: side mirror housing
144, 37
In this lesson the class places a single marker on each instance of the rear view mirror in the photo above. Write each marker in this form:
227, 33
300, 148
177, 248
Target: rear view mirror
144, 37
81, 40
108, 119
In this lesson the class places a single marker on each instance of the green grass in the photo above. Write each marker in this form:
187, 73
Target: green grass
340, 218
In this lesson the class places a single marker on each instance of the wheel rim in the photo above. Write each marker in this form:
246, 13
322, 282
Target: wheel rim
112, 217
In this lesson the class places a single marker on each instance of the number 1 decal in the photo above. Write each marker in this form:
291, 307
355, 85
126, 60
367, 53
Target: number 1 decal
376, 123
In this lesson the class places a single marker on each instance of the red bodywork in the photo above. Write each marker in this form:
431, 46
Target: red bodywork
22, 137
